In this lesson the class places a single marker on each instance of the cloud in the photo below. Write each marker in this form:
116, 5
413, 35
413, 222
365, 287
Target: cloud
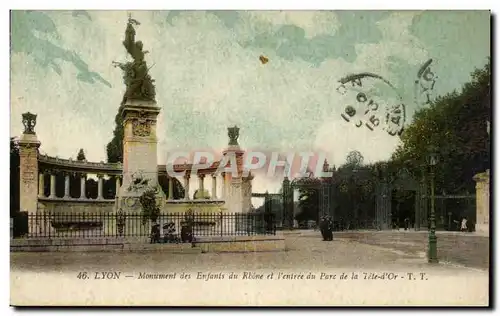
208, 76
33, 33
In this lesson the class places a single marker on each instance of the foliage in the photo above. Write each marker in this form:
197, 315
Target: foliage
81, 155
150, 209
114, 148
308, 204
14, 177
456, 124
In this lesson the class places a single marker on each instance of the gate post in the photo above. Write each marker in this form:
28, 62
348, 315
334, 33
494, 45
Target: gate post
287, 206
28, 165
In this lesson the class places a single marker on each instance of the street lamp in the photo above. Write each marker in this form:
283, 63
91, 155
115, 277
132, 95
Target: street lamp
432, 160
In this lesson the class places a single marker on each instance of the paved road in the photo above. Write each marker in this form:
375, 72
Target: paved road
458, 248
48, 278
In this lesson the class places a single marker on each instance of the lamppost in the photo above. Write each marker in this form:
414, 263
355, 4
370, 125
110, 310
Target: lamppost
432, 160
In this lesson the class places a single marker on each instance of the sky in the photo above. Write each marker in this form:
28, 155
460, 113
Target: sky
208, 75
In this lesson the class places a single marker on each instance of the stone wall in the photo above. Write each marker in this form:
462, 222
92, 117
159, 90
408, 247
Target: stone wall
198, 206
75, 207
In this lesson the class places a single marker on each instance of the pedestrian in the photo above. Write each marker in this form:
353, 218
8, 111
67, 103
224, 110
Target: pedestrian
407, 223
323, 226
463, 227
329, 229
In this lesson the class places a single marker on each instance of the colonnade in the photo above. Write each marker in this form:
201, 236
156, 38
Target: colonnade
83, 178
100, 185
201, 186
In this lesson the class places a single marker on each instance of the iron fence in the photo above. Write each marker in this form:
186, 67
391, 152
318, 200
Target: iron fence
95, 225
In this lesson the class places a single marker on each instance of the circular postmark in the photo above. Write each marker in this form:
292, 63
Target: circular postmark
371, 101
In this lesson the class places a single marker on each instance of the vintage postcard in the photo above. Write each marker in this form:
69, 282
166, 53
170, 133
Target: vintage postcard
250, 158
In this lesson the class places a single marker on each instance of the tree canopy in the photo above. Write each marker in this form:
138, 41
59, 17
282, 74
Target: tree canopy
456, 125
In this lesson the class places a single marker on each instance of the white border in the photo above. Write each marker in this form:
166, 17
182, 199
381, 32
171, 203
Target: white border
189, 5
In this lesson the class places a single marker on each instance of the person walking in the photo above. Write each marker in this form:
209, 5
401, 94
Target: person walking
463, 227
407, 223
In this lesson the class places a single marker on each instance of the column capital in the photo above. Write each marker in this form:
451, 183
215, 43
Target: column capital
201, 176
66, 173
100, 175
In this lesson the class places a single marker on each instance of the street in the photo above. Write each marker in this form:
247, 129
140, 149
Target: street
33, 274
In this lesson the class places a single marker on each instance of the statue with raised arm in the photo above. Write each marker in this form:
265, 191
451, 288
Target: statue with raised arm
138, 82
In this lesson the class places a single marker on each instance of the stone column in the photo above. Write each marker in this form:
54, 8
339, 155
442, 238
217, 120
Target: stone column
201, 186
52, 185
223, 193
99, 186
214, 187
117, 189
28, 169
82, 186
66, 186
483, 202
41, 185
186, 187
170, 188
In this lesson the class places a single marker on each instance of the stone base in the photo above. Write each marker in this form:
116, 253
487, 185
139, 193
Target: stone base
129, 202
483, 229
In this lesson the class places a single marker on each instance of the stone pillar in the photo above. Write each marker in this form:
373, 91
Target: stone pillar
139, 152
83, 179
99, 187
41, 185
28, 169
247, 193
483, 202
201, 186
170, 188
117, 187
214, 187
223, 193
66, 186
52, 185
186, 187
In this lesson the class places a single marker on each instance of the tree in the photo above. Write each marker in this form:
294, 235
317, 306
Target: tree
456, 124
309, 197
14, 176
81, 155
114, 148
308, 204
150, 210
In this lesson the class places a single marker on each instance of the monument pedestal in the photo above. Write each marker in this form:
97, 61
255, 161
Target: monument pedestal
140, 166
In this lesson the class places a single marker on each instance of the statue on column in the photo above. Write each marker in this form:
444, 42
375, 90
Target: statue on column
138, 82
29, 122
233, 133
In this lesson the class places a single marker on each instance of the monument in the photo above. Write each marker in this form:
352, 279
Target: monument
238, 189
139, 111
28, 155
